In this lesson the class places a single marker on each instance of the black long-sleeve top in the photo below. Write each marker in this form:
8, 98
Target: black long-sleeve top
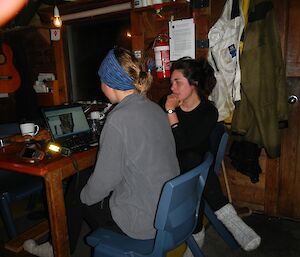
192, 133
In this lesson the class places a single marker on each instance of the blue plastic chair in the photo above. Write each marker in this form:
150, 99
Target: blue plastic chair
218, 142
175, 221
14, 186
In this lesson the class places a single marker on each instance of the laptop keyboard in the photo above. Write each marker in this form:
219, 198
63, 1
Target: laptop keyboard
79, 143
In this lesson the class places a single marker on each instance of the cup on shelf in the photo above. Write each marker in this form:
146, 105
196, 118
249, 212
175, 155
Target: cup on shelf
29, 129
97, 115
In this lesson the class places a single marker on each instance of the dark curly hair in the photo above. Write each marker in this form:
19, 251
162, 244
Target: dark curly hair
198, 73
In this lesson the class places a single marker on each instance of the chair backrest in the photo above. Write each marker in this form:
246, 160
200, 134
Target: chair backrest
7, 129
218, 140
177, 212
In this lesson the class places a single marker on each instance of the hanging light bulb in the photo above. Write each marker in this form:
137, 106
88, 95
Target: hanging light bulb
57, 22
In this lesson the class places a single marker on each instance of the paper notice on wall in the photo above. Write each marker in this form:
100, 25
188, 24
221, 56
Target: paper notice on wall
55, 34
182, 38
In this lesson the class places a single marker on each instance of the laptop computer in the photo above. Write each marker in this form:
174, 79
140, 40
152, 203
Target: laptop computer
69, 127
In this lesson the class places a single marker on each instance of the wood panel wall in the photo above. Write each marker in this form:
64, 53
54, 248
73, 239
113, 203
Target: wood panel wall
263, 196
277, 193
146, 25
33, 53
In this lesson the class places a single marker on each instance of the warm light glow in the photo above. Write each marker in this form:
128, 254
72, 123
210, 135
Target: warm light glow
57, 22
54, 148
128, 34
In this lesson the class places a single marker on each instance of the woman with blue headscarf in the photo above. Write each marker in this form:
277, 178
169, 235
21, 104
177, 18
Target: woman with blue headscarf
136, 157
136, 152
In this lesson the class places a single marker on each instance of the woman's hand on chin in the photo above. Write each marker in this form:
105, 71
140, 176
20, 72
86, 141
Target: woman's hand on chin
172, 102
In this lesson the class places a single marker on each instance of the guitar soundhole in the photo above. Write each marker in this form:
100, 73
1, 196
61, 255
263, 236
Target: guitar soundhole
2, 59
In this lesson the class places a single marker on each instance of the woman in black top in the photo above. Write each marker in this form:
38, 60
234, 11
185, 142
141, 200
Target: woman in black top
192, 118
192, 133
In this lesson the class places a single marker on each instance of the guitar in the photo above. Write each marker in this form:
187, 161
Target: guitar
9, 77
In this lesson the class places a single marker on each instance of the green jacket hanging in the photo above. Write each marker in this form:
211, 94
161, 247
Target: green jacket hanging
263, 106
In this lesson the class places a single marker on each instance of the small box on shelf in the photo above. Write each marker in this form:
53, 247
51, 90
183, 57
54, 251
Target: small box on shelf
50, 98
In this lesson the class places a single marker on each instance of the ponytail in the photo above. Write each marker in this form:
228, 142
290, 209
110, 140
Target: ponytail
141, 79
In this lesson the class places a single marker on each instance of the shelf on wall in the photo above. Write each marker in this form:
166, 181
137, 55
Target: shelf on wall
168, 5
51, 98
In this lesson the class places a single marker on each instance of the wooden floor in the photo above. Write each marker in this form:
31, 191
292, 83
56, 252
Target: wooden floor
15, 247
280, 238
39, 228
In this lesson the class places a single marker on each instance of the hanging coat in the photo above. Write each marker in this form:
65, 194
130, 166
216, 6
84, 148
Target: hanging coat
263, 106
224, 39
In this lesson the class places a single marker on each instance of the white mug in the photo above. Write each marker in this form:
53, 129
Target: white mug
97, 115
29, 129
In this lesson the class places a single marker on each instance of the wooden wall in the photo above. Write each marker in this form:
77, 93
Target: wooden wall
33, 53
146, 26
277, 193
278, 175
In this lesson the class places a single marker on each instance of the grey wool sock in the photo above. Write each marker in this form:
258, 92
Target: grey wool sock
42, 250
242, 233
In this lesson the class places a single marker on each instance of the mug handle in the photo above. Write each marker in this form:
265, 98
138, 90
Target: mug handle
101, 116
36, 129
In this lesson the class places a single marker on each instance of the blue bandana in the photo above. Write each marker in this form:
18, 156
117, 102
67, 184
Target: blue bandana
112, 74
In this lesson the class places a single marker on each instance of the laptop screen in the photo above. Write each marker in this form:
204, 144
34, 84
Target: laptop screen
64, 121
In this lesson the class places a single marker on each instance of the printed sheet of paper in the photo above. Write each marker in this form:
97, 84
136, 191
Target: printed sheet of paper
182, 38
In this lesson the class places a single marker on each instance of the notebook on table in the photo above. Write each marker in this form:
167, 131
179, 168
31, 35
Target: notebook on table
69, 127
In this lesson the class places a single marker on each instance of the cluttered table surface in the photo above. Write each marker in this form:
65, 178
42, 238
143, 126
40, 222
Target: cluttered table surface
54, 168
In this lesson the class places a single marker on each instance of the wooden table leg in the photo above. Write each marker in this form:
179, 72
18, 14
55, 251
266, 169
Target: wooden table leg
57, 213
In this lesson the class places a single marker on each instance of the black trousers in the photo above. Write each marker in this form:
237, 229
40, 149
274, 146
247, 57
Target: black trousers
97, 215
213, 191
213, 194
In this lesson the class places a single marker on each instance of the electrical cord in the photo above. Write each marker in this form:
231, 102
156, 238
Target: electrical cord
76, 168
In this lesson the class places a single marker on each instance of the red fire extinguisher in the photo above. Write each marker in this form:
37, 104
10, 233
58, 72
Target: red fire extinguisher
162, 56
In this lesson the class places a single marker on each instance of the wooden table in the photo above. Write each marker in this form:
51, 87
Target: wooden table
53, 170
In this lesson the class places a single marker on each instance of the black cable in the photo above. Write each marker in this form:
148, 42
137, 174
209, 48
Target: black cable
75, 166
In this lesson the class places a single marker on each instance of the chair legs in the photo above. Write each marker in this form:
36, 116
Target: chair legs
7, 215
195, 249
32, 202
219, 226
